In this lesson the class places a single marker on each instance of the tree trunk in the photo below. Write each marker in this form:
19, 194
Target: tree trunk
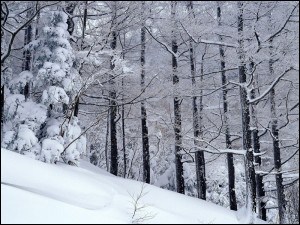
70, 9
2, 108
106, 141
177, 107
113, 103
27, 54
27, 39
199, 155
4, 14
262, 212
145, 138
123, 118
250, 172
230, 164
275, 139
123, 132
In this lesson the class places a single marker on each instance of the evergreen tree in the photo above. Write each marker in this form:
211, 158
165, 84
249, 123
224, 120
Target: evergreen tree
58, 81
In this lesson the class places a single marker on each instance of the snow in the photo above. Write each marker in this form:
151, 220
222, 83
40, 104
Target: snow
26, 138
53, 130
32, 114
67, 84
20, 81
259, 154
51, 150
8, 137
36, 192
11, 104
55, 95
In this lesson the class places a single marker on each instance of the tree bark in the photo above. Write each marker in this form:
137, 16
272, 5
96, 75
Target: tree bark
230, 164
26, 53
177, 107
145, 138
70, 9
106, 141
249, 158
113, 102
27, 40
262, 212
199, 155
275, 139
2, 109
123, 133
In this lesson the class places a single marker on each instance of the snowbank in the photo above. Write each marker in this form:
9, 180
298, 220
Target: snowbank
36, 192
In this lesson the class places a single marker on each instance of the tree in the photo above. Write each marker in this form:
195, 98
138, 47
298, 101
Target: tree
177, 103
112, 96
54, 63
260, 192
231, 172
199, 155
145, 139
249, 158
275, 139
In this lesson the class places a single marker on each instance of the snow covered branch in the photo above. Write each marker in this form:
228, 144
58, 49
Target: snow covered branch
251, 101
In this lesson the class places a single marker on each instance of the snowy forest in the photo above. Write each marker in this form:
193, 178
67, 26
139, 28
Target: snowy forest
196, 97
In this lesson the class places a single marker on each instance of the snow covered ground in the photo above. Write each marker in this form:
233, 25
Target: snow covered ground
36, 192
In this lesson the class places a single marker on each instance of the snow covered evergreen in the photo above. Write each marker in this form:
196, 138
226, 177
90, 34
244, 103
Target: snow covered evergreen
44, 126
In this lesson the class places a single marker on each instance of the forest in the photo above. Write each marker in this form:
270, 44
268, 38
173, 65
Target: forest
196, 97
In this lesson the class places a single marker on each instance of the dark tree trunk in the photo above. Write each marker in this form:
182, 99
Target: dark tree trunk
177, 108
145, 138
84, 24
36, 32
123, 133
276, 148
199, 155
106, 141
262, 212
27, 54
113, 104
249, 158
4, 14
2, 108
70, 9
76, 109
123, 118
230, 164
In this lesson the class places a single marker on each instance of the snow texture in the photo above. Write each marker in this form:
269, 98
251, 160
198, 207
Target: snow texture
87, 194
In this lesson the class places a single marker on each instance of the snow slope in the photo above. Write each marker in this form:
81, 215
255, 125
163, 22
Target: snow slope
36, 192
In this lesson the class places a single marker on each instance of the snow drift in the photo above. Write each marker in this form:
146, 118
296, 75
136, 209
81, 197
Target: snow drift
36, 192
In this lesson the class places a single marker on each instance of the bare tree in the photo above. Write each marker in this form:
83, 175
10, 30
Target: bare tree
177, 104
112, 95
249, 158
145, 138
275, 139
230, 164
199, 155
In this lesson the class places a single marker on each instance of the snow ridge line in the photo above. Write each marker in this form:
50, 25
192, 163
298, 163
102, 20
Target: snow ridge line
55, 197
